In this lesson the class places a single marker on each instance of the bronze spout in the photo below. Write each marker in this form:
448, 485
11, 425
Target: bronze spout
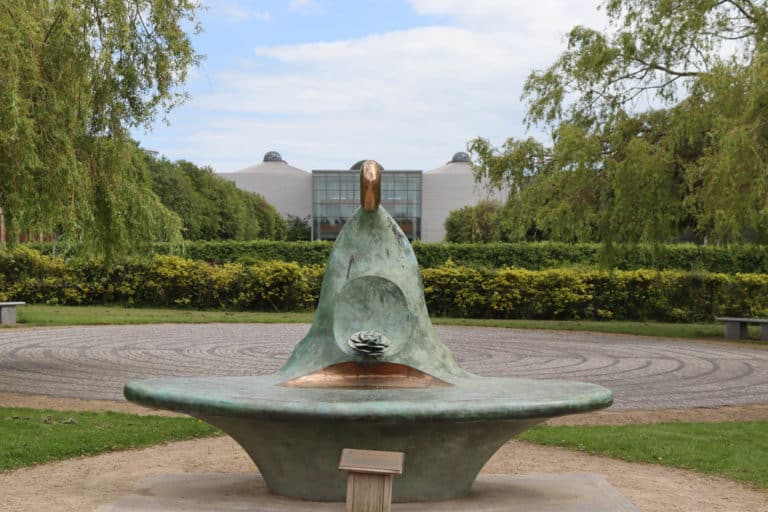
370, 185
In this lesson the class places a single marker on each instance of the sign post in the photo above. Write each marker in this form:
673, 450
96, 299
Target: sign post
369, 482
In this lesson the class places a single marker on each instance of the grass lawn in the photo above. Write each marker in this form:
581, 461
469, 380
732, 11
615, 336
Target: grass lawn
738, 451
35, 436
42, 315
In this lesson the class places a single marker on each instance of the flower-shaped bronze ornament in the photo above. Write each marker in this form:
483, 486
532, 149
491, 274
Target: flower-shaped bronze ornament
369, 343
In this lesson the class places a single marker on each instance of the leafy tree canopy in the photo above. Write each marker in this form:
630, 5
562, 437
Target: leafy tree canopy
479, 223
76, 76
658, 128
211, 207
298, 228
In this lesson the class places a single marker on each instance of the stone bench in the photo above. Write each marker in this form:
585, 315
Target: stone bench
736, 328
8, 312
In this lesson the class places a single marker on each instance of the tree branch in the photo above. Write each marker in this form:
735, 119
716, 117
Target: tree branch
742, 10
53, 25
141, 18
659, 67
743, 35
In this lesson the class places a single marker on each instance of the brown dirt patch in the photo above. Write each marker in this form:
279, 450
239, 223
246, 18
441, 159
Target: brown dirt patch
86, 483
650, 487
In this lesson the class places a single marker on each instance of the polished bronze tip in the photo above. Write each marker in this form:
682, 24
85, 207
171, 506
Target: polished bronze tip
350, 375
370, 185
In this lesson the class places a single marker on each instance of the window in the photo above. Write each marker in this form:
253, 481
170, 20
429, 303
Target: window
336, 197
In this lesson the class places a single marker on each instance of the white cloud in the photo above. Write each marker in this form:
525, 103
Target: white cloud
236, 12
264, 16
409, 98
542, 16
305, 7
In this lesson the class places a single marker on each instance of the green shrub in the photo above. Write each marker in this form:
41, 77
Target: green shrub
533, 256
249, 252
454, 291
279, 286
449, 289
671, 296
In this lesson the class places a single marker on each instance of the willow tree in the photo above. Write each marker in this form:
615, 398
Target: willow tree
75, 78
658, 128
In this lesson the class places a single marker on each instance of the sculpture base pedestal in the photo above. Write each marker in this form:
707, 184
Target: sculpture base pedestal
203, 492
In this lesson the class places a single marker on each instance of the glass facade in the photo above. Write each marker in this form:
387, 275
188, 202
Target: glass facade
336, 196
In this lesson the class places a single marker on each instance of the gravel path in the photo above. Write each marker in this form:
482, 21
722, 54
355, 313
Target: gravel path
643, 372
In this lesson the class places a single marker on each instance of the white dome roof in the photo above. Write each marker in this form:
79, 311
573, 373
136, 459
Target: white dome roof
273, 164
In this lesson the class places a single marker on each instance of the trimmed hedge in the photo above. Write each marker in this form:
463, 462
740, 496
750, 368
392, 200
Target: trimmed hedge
167, 281
254, 251
569, 294
449, 290
533, 256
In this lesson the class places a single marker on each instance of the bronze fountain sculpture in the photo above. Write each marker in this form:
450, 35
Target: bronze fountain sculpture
370, 374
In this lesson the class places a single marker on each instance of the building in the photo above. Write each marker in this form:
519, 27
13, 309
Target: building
450, 188
285, 187
336, 196
418, 201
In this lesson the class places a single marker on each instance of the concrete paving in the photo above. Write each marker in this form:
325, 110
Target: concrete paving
643, 372
569, 492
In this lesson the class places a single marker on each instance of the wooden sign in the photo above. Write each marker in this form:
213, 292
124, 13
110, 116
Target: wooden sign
372, 461
369, 483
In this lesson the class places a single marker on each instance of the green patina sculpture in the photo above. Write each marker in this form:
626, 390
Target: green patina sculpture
370, 374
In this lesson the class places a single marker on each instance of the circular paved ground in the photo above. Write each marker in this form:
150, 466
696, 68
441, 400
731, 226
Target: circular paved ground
643, 372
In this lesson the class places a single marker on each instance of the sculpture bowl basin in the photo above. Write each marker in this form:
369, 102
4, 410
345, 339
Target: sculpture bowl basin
295, 435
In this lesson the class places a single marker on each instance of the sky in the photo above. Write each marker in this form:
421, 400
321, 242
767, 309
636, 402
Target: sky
329, 82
